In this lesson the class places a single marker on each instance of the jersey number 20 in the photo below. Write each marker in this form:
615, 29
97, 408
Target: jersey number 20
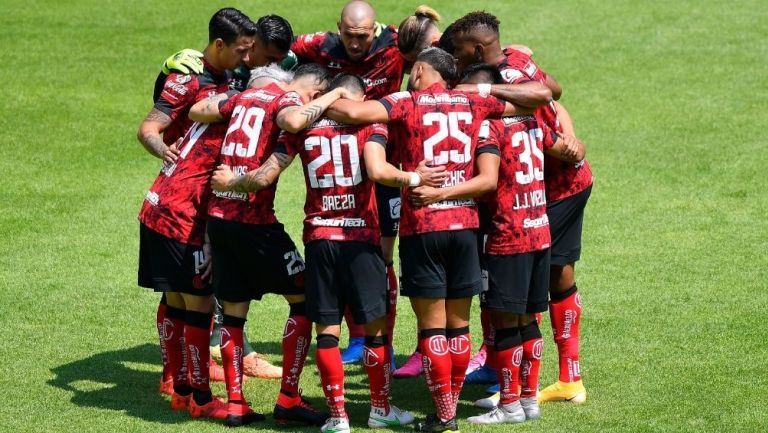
332, 150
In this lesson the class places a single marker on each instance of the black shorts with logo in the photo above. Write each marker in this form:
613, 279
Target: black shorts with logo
442, 264
341, 274
517, 283
566, 218
166, 265
251, 260
388, 204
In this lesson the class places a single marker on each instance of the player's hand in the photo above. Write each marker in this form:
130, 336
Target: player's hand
290, 62
425, 195
171, 154
206, 268
431, 176
187, 61
346, 94
222, 178
572, 145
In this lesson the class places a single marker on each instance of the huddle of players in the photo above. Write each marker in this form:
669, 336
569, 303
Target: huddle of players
434, 133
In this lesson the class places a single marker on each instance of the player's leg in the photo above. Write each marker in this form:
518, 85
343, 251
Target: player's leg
459, 342
176, 316
566, 219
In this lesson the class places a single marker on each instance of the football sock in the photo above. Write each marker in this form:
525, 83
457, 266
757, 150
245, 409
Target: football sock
509, 353
232, 356
488, 337
160, 321
392, 311
297, 336
331, 373
565, 313
460, 347
177, 349
197, 335
437, 367
530, 334
376, 363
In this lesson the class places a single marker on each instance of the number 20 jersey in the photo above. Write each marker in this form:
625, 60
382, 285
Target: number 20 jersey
249, 141
518, 207
340, 204
440, 126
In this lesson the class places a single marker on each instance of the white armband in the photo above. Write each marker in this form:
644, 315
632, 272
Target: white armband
415, 179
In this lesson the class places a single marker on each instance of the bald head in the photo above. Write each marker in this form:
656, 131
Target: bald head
357, 12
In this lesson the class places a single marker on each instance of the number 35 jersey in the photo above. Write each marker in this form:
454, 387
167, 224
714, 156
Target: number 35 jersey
249, 141
518, 207
440, 126
339, 204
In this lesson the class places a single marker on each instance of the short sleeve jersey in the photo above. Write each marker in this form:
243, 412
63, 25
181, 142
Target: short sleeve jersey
250, 139
382, 69
563, 179
180, 92
441, 126
340, 204
518, 207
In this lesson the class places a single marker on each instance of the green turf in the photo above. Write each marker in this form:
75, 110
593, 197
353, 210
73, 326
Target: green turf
669, 96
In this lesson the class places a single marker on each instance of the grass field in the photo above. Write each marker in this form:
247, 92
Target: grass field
669, 97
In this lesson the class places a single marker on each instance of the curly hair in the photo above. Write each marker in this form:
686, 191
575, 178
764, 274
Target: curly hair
474, 22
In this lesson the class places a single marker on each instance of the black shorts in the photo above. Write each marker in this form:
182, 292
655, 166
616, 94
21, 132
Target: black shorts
166, 265
566, 217
388, 204
251, 260
345, 274
517, 283
442, 264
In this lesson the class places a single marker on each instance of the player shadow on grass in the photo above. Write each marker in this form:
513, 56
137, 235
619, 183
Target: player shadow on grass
123, 380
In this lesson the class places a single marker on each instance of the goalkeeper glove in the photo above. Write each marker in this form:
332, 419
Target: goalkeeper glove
290, 61
185, 62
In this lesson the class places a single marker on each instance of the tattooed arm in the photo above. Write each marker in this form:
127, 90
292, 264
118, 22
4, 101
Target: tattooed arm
224, 180
207, 110
151, 136
381, 171
294, 119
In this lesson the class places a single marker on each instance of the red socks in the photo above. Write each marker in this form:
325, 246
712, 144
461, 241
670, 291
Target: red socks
565, 313
176, 348
437, 367
460, 347
197, 334
529, 368
232, 356
160, 322
509, 354
376, 363
331, 369
297, 337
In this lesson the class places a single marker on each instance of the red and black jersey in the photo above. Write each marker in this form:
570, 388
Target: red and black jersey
340, 204
175, 205
382, 70
518, 207
180, 92
563, 179
441, 126
249, 141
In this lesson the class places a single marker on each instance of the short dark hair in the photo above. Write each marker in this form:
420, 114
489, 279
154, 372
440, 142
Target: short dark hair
446, 40
476, 21
319, 72
228, 24
351, 82
441, 61
482, 68
275, 30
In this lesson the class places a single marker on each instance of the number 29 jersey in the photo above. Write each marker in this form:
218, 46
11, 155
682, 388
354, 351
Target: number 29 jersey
250, 139
441, 126
340, 204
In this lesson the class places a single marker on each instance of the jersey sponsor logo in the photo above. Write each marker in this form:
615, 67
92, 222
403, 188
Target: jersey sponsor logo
334, 65
442, 98
541, 221
509, 120
152, 198
260, 95
232, 195
448, 204
337, 222
530, 69
183, 79
510, 75
176, 87
373, 83
394, 207
399, 95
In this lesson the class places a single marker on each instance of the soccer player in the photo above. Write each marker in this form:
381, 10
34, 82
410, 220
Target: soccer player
254, 254
568, 186
438, 248
341, 234
517, 251
230, 35
364, 48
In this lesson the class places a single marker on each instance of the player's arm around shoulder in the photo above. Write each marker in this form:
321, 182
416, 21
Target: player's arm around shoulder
380, 170
352, 112
294, 119
224, 179
208, 110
